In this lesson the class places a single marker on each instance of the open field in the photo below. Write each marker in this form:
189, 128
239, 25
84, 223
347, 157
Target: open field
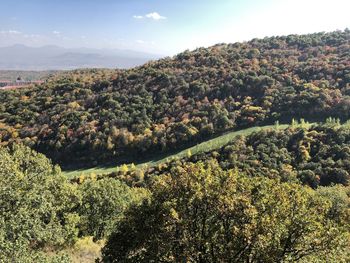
201, 147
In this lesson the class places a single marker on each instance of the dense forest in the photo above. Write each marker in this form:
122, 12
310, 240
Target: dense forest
99, 116
193, 212
315, 156
273, 195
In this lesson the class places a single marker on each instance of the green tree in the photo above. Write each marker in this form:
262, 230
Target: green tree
103, 204
37, 205
200, 213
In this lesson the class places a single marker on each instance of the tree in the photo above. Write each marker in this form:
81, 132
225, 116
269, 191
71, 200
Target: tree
103, 204
37, 205
200, 213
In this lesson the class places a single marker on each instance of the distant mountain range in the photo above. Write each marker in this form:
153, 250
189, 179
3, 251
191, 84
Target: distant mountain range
21, 57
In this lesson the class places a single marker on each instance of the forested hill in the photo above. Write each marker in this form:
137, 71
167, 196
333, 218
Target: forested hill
166, 104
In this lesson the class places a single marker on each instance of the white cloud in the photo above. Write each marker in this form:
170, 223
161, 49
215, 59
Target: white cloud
57, 33
145, 43
11, 37
153, 15
10, 32
32, 36
14, 32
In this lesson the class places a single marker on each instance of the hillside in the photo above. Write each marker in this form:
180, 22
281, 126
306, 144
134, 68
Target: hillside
206, 146
315, 155
176, 102
12, 75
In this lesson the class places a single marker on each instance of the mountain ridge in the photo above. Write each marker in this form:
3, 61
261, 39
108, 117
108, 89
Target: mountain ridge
51, 57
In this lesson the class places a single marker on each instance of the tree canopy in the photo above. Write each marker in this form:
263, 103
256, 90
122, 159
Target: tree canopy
106, 115
201, 213
41, 210
37, 205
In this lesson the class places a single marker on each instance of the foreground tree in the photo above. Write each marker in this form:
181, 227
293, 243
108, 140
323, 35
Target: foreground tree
200, 213
103, 204
37, 206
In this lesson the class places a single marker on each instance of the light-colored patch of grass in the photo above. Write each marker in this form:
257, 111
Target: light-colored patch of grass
206, 146
94, 170
210, 145
85, 250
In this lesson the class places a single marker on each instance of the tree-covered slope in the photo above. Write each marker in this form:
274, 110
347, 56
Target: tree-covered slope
46, 218
316, 155
173, 102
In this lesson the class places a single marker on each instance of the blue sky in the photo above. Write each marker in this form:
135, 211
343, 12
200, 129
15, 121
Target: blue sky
162, 26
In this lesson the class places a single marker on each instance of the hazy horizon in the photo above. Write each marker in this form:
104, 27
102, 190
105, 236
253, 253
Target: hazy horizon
162, 27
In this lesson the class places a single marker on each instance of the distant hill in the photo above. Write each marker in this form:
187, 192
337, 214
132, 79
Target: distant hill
20, 57
94, 116
12, 75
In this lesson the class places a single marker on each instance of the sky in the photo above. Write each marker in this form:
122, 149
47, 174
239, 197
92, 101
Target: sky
162, 26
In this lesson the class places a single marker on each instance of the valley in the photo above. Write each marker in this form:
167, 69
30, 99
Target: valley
203, 147
237, 152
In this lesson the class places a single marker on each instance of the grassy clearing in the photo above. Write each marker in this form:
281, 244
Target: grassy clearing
201, 147
85, 250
